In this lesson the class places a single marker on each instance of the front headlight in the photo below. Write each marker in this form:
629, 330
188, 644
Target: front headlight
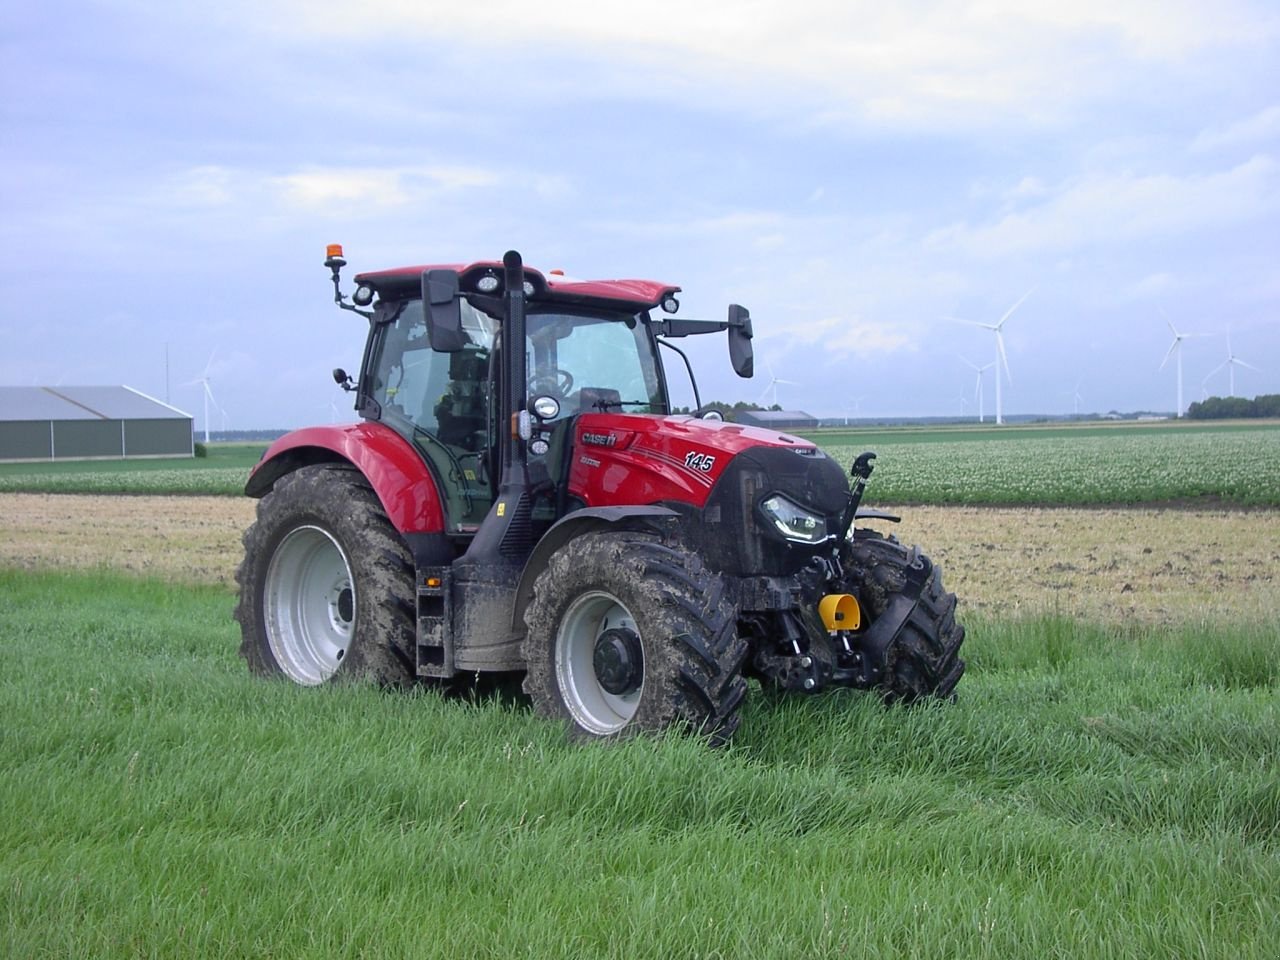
793, 521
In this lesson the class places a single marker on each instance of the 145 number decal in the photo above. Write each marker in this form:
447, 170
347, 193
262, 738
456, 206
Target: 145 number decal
699, 461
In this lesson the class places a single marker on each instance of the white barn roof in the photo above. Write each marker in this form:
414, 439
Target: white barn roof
83, 403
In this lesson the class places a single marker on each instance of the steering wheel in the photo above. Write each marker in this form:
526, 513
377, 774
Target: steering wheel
555, 382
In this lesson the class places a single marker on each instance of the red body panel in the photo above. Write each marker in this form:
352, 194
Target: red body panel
398, 475
628, 459
648, 293
640, 294
619, 459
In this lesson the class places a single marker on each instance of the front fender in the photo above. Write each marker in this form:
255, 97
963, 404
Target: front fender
590, 519
393, 468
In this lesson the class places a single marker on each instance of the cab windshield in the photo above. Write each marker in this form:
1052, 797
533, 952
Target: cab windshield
590, 362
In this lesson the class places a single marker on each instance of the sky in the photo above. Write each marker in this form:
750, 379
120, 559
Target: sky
859, 175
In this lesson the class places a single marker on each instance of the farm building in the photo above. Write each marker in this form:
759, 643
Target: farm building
81, 423
777, 419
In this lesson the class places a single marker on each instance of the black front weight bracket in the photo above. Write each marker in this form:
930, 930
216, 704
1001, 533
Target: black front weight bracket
874, 643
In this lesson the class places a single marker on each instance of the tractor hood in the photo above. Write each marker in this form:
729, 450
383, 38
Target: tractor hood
629, 458
758, 502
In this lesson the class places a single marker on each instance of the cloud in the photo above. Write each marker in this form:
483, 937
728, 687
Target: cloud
910, 62
1108, 209
203, 186
1262, 127
375, 189
842, 336
380, 187
1152, 287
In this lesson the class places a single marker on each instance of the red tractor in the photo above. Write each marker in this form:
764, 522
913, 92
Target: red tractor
519, 498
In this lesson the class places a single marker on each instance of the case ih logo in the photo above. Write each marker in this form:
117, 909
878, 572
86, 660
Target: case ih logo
699, 461
600, 439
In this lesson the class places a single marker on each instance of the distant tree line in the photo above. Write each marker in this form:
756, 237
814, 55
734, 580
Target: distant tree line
1235, 408
246, 436
728, 410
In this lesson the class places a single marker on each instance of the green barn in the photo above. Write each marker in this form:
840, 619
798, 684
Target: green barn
85, 423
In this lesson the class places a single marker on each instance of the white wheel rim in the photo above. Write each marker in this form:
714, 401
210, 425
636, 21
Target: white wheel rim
309, 604
594, 708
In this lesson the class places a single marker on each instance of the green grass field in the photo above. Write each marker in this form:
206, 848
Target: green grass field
1066, 464
1093, 793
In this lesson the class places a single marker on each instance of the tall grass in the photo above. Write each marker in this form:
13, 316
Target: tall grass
1092, 794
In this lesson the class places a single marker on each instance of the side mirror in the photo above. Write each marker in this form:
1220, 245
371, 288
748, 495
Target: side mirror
343, 379
740, 354
443, 309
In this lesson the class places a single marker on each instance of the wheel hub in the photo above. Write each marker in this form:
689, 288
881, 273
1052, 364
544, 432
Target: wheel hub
598, 649
618, 661
309, 605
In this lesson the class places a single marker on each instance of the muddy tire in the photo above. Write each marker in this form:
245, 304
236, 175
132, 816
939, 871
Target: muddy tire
326, 584
629, 635
922, 659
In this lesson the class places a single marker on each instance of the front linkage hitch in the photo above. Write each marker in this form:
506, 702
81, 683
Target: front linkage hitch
807, 655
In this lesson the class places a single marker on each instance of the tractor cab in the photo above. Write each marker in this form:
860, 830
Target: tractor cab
441, 370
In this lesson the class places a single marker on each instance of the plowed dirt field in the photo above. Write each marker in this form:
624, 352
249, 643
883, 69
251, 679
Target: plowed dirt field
1148, 565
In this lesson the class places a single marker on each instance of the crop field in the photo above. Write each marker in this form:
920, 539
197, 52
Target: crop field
223, 472
1071, 465
1106, 785
1233, 464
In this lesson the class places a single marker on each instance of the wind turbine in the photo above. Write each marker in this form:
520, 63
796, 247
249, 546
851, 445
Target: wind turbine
1076, 398
977, 390
773, 385
1230, 363
1002, 359
963, 403
1176, 347
203, 380
852, 405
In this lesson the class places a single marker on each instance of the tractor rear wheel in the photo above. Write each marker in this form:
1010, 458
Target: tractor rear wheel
922, 659
629, 635
326, 584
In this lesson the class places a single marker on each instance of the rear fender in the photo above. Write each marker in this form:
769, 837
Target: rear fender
393, 468
589, 520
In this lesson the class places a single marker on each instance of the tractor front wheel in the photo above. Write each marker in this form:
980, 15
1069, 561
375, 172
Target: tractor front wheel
923, 657
629, 635
326, 584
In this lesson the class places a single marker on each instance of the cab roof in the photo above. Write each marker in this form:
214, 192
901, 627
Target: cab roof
406, 282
